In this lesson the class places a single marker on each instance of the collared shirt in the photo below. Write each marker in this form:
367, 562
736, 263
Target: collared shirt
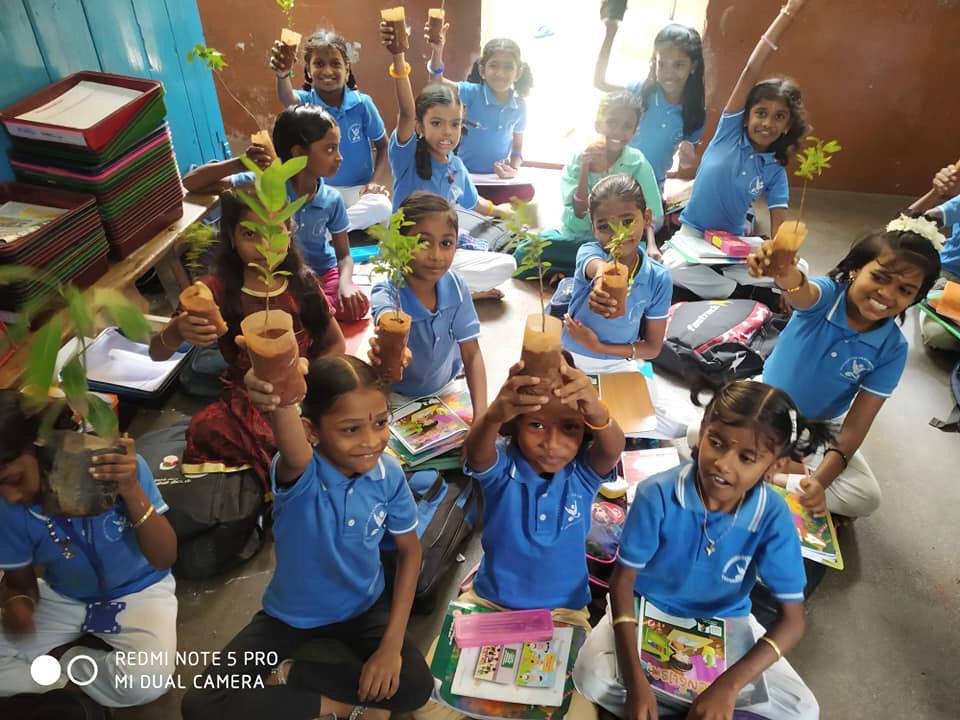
631, 162
731, 176
327, 529
106, 560
950, 255
491, 139
534, 532
822, 363
649, 298
435, 336
660, 131
665, 542
449, 180
360, 124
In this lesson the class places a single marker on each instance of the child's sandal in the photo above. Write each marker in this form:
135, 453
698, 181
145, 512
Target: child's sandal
278, 673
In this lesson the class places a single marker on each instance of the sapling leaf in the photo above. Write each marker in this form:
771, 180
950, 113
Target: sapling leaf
79, 311
289, 211
124, 313
101, 417
292, 167
255, 205
42, 358
73, 381
252, 166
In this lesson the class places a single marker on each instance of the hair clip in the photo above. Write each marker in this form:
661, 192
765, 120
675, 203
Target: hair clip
793, 425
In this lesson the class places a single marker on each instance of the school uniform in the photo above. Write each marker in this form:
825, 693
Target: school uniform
534, 532
491, 126
435, 335
96, 580
933, 333
660, 131
664, 531
328, 583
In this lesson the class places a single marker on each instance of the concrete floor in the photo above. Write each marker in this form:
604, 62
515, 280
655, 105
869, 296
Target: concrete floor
882, 638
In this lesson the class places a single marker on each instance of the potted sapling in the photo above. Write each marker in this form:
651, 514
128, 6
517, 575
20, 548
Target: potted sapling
268, 335
197, 299
397, 251
614, 277
397, 19
790, 235
541, 351
289, 39
67, 488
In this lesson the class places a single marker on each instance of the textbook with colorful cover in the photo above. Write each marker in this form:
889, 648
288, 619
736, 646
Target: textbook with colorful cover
528, 702
446, 455
426, 423
638, 465
818, 536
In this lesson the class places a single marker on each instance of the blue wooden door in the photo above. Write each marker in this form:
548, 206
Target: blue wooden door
45, 40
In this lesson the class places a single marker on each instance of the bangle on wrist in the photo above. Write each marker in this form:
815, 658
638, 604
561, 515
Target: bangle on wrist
164, 342
624, 619
144, 517
606, 424
771, 643
838, 451
768, 42
437, 71
577, 197
284, 76
633, 351
399, 75
21, 596
803, 281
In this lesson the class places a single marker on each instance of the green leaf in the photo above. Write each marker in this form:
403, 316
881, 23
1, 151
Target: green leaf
102, 418
254, 204
73, 379
289, 211
42, 359
254, 227
79, 311
124, 313
51, 413
292, 167
252, 166
18, 273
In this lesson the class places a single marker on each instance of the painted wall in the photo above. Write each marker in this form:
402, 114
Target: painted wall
878, 75
45, 40
244, 31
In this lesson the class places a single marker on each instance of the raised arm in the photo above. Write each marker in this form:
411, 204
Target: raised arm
435, 65
281, 62
761, 53
946, 183
603, 59
400, 71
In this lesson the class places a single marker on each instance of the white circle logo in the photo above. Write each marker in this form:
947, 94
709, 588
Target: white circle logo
45, 670
93, 676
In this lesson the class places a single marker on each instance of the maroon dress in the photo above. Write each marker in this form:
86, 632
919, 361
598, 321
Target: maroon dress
231, 432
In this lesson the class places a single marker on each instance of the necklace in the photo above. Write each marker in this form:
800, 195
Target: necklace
633, 273
63, 542
711, 543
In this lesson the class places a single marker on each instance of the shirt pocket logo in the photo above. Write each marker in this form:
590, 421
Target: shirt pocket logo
855, 368
356, 133
756, 187
572, 514
378, 516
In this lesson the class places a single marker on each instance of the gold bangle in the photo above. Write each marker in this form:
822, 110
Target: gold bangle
144, 518
400, 75
771, 643
21, 595
606, 424
164, 342
803, 281
624, 619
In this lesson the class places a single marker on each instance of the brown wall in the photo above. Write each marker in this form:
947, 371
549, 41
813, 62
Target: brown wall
878, 75
255, 24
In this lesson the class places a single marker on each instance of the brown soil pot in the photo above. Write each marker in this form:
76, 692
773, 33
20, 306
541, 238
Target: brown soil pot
789, 238
541, 353
198, 300
393, 328
397, 18
262, 137
435, 17
68, 488
291, 41
273, 349
614, 278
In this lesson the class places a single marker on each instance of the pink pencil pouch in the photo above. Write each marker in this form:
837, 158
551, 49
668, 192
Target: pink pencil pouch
729, 243
502, 628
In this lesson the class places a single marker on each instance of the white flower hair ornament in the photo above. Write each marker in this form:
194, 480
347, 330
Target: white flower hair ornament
918, 226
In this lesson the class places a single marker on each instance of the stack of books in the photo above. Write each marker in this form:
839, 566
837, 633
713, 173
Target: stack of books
427, 433
818, 536
105, 135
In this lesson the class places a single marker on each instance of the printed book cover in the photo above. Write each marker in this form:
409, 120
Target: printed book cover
818, 536
538, 664
638, 465
425, 423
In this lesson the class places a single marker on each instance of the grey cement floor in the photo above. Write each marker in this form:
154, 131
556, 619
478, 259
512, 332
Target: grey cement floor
882, 636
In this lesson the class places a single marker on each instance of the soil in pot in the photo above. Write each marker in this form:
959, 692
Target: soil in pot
67, 488
614, 280
273, 350
198, 300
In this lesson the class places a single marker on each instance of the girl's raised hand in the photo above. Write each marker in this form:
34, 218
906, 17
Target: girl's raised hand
761, 264
510, 402
580, 333
373, 354
578, 392
260, 155
813, 497
600, 301
195, 330
386, 34
947, 181
282, 58
594, 157
118, 467
443, 35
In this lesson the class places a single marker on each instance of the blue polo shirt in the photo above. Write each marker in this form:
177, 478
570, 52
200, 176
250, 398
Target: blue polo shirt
660, 130
324, 212
435, 336
821, 363
534, 532
649, 297
360, 124
950, 255
731, 176
327, 529
106, 561
450, 180
663, 539
491, 139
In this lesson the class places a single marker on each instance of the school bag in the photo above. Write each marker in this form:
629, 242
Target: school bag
449, 511
218, 517
478, 232
717, 341
603, 542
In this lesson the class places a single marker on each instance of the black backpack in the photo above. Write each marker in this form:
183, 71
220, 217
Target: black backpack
952, 423
218, 517
718, 340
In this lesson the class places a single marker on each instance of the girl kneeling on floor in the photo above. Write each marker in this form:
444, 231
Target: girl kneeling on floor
335, 495
694, 543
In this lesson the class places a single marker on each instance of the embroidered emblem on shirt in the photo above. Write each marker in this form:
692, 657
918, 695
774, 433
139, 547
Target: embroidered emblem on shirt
855, 368
756, 187
114, 525
356, 133
378, 516
572, 512
736, 569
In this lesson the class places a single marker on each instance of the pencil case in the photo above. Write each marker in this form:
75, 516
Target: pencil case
728, 243
502, 628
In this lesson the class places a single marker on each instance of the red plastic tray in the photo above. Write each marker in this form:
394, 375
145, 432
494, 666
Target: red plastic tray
73, 202
96, 137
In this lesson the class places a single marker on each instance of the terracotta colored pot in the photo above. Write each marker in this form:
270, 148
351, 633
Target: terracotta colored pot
198, 300
393, 328
290, 39
68, 489
789, 238
396, 16
262, 137
435, 18
541, 353
614, 278
273, 350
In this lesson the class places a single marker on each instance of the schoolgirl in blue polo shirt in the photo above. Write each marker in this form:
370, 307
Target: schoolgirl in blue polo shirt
329, 83
444, 329
107, 575
841, 355
496, 112
335, 496
672, 94
694, 543
759, 130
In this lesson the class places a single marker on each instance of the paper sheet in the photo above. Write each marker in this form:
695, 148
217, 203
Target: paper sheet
82, 106
494, 179
116, 360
